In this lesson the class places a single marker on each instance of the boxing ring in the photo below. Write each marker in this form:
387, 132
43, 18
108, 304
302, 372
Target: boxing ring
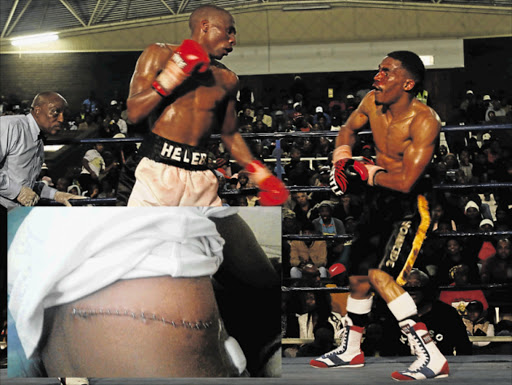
467, 370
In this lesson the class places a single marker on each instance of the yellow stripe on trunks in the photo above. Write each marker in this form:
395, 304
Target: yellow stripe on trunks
419, 238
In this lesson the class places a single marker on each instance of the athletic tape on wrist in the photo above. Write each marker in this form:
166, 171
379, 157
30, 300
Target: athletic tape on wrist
341, 152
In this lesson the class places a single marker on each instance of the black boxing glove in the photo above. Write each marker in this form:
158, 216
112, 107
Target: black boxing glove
346, 171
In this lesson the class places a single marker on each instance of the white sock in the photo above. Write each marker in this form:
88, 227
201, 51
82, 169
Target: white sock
403, 307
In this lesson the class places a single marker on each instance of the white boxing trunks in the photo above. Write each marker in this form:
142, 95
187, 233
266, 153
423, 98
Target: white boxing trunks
173, 174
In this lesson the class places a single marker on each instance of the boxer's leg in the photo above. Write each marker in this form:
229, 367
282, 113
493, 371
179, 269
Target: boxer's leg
149, 327
430, 363
249, 293
349, 353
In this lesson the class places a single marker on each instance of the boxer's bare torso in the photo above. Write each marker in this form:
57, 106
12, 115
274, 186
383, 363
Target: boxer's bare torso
404, 130
394, 137
197, 107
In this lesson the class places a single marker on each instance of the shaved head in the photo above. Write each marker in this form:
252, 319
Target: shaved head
204, 12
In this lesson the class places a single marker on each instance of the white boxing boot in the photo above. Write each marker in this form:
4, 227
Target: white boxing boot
430, 362
347, 355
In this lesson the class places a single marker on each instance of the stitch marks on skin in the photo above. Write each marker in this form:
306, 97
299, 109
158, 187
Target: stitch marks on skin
142, 316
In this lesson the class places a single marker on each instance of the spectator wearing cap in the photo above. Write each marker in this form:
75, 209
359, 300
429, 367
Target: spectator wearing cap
290, 223
477, 323
308, 252
486, 249
326, 224
444, 323
319, 113
472, 217
351, 105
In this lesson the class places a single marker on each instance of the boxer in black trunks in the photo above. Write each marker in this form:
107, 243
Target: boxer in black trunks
405, 132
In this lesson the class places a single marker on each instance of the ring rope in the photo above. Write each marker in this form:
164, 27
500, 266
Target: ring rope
292, 189
276, 135
456, 234
80, 202
300, 341
345, 289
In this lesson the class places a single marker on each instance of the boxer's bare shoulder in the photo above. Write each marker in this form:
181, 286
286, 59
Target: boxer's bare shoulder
224, 76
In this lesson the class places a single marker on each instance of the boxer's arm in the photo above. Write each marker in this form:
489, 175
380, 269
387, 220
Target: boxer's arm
230, 136
142, 98
424, 131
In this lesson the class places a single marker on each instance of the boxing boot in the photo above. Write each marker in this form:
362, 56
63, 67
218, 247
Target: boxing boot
430, 362
347, 355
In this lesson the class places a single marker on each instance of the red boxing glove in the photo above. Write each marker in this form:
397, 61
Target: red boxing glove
346, 171
189, 57
273, 192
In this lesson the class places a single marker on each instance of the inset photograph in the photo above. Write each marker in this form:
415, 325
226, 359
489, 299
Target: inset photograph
144, 292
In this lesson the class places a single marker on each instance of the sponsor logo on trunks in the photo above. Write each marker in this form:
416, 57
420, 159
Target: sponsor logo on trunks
183, 155
399, 241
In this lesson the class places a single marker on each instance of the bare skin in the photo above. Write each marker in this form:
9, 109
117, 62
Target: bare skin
204, 102
405, 132
404, 129
118, 346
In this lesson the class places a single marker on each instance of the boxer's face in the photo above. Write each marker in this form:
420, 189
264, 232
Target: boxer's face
391, 81
221, 36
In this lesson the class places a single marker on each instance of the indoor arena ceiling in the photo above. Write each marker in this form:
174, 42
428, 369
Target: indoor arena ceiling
28, 17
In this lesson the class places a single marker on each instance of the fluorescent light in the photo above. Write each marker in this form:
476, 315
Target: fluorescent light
34, 39
306, 7
428, 60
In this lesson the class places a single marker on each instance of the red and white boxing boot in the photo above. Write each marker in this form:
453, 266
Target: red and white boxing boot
347, 355
430, 362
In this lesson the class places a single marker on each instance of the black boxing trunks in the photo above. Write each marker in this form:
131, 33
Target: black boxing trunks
405, 243
166, 151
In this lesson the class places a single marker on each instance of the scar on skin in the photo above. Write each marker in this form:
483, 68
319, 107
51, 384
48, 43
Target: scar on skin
142, 316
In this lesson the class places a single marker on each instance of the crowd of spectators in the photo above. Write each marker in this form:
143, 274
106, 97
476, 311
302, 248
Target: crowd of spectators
464, 157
